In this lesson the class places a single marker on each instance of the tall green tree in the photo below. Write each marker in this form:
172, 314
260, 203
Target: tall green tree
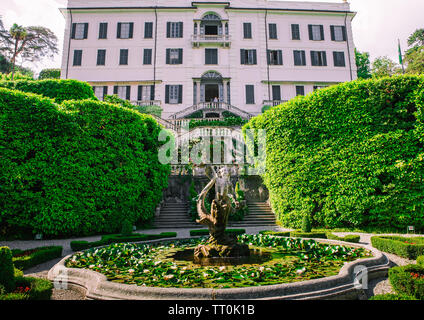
414, 56
30, 43
363, 63
384, 67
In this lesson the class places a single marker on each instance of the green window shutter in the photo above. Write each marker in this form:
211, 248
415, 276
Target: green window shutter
250, 94
324, 58
180, 94
180, 30
322, 32
74, 28
118, 31
311, 36
115, 90
268, 57
344, 33
140, 93
168, 56
128, 97
168, 29
131, 30
152, 92
104, 91
314, 58
180, 56
333, 36
85, 30
280, 57
166, 93
276, 93
255, 61
242, 56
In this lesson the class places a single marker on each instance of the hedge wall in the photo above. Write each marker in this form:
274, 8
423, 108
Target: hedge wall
76, 169
60, 90
350, 155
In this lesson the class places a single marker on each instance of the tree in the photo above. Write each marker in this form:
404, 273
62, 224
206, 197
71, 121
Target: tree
384, 67
363, 63
30, 43
416, 39
49, 74
414, 56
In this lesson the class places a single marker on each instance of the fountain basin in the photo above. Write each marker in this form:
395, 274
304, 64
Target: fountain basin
341, 286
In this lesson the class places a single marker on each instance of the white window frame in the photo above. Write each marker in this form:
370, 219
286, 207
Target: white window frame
79, 31
175, 30
174, 94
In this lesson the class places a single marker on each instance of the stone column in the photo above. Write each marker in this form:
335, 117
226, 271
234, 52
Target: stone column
225, 94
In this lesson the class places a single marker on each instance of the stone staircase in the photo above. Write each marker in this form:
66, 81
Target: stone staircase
174, 215
260, 214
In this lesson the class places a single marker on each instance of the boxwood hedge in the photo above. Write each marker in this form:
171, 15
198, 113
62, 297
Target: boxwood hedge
409, 248
59, 90
76, 169
25, 259
350, 155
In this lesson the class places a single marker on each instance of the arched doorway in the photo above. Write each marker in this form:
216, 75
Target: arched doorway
211, 87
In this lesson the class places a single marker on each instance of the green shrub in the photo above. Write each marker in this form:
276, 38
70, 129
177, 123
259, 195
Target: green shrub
409, 248
420, 261
59, 90
408, 280
350, 155
49, 74
24, 261
119, 238
40, 289
126, 228
78, 169
7, 271
276, 233
298, 234
391, 296
205, 232
227, 122
306, 224
348, 238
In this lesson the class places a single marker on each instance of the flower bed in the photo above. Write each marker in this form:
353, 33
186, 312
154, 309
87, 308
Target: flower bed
25, 259
408, 280
409, 248
293, 260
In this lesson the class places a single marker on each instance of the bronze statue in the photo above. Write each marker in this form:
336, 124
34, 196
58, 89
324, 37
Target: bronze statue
219, 243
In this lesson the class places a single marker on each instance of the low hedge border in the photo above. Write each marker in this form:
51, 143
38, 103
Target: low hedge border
409, 248
408, 280
39, 255
40, 289
276, 233
420, 261
392, 297
117, 238
205, 232
347, 238
299, 234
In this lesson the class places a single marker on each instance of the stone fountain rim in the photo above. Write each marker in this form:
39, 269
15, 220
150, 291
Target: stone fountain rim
95, 285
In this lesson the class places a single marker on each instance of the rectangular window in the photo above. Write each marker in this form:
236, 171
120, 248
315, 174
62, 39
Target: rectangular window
173, 94
316, 32
174, 56
248, 56
276, 93
148, 30
123, 57
211, 56
299, 57
147, 56
339, 59
103, 30
300, 90
295, 28
338, 33
145, 93
319, 58
77, 57
247, 30
174, 30
125, 30
79, 31
100, 92
250, 94
123, 92
101, 57
273, 31
275, 57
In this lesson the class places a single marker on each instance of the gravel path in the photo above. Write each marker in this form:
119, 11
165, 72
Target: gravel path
375, 286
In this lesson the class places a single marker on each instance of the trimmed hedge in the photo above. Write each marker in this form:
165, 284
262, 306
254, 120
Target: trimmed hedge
348, 238
409, 248
49, 74
36, 256
40, 289
76, 169
420, 260
391, 296
299, 234
408, 280
205, 232
59, 90
7, 271
276, 233
350, 155
118, 238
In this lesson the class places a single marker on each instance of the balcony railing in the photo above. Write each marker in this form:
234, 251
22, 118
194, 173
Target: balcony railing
224, 40
273, 103
147, 103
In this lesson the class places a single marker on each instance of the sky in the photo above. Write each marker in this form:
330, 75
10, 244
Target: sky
376, 28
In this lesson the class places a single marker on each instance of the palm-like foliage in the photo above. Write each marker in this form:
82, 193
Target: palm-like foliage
30, 43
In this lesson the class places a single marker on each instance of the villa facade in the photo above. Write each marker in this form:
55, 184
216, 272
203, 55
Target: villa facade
214, 56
